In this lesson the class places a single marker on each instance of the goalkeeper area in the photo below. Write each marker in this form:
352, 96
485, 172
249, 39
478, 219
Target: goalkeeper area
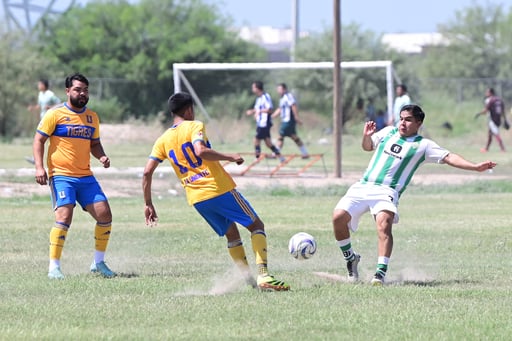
222, 93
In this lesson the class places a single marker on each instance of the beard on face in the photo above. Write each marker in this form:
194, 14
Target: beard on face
79, 102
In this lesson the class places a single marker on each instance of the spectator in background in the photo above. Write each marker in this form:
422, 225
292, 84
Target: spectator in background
495, 106
402, 98
377, 116
46, 98
371, 114
380, 119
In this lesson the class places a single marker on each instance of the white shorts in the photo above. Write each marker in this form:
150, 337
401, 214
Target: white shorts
493, 128
361, 198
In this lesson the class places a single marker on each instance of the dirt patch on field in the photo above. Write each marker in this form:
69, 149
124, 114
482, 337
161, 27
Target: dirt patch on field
126, 182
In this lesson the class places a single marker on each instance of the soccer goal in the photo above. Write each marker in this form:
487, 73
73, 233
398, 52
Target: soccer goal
312, 75
179, 75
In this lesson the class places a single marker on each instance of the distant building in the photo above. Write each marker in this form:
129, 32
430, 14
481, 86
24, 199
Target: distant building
276, 41
412, 43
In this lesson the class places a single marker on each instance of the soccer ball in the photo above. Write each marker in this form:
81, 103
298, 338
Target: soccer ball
302, 245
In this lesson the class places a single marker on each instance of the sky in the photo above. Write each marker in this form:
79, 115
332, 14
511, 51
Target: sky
380, 16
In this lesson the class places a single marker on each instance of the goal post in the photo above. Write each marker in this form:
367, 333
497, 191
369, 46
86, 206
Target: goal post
178, 75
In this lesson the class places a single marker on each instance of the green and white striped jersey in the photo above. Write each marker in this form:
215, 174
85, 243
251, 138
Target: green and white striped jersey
396, 158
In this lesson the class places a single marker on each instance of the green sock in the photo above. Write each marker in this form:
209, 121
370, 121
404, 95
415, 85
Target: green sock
381, 269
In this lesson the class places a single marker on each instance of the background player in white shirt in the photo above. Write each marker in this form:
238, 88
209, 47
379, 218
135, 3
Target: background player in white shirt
262, 112
289, 113
402, 98
45, 99
398, 153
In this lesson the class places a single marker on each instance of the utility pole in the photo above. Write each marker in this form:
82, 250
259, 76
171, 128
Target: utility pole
295, 29
337, 113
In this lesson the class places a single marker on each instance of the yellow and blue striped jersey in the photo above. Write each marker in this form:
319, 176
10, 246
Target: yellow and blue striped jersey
202, 179
70, 134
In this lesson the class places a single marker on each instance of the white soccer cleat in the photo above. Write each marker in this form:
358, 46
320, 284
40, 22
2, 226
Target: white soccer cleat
55, 274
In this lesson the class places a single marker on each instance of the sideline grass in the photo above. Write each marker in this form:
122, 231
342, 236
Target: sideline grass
450, 274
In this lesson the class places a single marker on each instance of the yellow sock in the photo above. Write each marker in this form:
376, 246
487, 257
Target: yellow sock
237, 253
101, 236
259, 246
57, 239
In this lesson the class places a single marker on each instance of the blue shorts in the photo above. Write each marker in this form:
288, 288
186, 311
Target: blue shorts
67, 190
220, 212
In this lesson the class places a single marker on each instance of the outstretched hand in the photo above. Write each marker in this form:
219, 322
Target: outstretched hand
369, 128
486, 165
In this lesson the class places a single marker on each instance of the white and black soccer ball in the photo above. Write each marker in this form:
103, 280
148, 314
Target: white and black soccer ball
302, 245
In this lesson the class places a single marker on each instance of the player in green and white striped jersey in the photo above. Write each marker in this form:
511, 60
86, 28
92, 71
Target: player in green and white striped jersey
399, 151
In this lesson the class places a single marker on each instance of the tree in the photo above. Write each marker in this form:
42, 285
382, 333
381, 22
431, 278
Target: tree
140, 42
477, 45
359, 85
20, 68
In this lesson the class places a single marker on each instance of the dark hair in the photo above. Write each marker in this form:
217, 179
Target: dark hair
491, 91
416, 111
258, 85
403, 86
76, 77
179, 102
283, 85
45, 82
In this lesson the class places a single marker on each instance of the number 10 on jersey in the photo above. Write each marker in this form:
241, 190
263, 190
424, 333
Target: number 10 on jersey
193, 160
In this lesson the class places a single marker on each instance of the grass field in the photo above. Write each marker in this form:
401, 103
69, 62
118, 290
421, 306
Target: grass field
449, 277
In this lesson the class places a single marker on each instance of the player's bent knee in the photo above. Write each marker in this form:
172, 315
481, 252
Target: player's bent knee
340, 215
256, 225
64, 215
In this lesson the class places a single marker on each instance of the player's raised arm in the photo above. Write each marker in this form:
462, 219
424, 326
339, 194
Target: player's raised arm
368, 130
150, 214
458, 161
